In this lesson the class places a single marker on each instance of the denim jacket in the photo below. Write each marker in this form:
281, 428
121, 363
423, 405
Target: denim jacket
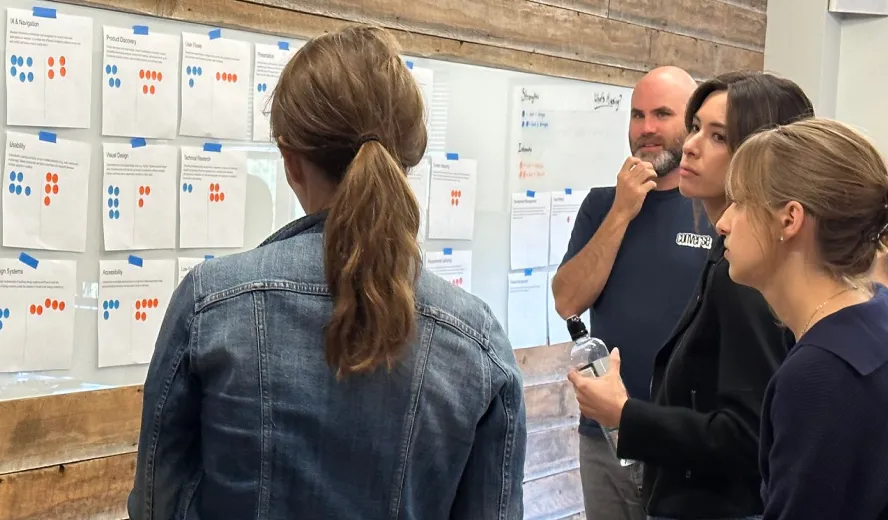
244, 419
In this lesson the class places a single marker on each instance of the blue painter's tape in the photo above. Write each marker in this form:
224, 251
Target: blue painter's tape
284, 46
215, 33
531, 193
135, 260
448, 250
44, 12
528, 272
49, 137
28, 260
568, 191
452, 156
212, 147
138, 142
409, 65
208, 257
140, 29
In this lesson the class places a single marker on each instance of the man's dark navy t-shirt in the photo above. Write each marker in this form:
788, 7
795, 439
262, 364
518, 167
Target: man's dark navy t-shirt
655, 272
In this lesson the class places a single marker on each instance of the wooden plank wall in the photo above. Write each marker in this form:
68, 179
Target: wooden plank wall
72, 456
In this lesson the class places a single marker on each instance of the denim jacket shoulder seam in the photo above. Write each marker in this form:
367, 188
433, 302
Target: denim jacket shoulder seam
440, 315
266, 285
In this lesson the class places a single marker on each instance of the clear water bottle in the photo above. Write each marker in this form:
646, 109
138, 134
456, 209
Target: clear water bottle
591, 358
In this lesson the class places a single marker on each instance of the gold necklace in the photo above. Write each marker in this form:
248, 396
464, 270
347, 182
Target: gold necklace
836, 295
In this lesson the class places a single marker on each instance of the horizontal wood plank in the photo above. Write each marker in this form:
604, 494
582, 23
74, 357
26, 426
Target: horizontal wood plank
41, 431
518, 25
705, 19
544, 364
556, 496
551, 403
96, 489
756, 5
551, 451
702, 59
596, 7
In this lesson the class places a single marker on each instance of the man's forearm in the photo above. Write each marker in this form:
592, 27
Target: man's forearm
580, 281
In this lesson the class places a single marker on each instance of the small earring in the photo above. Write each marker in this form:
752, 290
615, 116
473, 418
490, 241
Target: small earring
781, 239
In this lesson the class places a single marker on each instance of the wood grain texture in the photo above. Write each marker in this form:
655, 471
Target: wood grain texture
756, 5
705, 19
551, 451
550, 403
702, 59
596, 7
519, 25
556, 496
544, 364
41, 431
96, 489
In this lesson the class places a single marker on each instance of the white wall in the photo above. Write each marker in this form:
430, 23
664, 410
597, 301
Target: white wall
839, 59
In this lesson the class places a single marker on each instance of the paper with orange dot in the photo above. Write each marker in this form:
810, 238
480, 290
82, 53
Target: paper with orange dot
452, 198
215, 87
212, 192
36, 314
140, 95
48, 70
453, 265
138, 196
45, 187
131, 305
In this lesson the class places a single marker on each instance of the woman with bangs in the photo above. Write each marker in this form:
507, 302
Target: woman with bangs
699, 436
810, 213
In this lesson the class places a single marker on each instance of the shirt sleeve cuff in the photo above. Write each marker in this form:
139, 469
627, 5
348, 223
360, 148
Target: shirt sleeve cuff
636, 423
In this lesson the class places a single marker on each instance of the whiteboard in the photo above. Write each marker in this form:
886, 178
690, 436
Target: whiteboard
471, 113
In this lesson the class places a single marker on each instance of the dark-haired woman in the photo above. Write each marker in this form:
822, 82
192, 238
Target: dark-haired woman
699, 437
325, 374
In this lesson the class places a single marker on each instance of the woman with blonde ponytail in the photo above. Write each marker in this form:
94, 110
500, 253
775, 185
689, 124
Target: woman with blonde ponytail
325, 374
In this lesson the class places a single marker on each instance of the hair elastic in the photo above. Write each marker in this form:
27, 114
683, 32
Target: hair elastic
367, 139
884, 229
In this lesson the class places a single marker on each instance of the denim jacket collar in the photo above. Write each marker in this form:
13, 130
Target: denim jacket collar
313, 223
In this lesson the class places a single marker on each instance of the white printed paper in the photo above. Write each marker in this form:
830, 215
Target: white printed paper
452, 198
425, 79
186, 264
212, 198
565, 207
36, 314
133, 298
574, 135
418, 177
45, 196
48, 68
140, 97
139, 195
530, 229
527, 308
453, 266
269, 62
557, 325
215, 77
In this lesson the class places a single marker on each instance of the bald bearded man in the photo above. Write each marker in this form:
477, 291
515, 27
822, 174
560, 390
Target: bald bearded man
633, 258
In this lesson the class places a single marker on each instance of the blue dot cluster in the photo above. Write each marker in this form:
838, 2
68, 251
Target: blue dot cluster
4, 314
187, 188
15, 184
112, 71
109, 305
262, 87
193, 70
17, 63
113, 202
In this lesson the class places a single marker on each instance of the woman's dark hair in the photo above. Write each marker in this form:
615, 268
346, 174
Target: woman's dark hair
756, 101
349, 105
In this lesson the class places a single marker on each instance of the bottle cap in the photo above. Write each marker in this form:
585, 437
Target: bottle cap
576, 328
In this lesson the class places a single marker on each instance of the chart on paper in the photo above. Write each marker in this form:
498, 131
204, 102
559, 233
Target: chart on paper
212, 198
270, 61
36, 314
133, 297
49, 66
140, 196
215, 77
452, 198
451, 265
45, 200
140, 97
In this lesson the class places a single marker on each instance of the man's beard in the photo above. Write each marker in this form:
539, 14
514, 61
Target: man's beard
664, 161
